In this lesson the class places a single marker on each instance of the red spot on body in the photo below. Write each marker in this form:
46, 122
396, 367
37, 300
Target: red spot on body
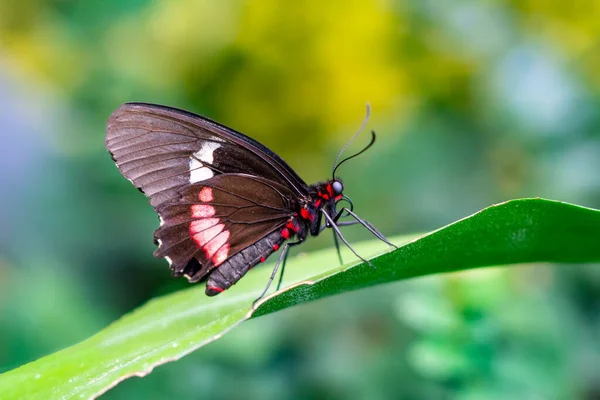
202, 211
262, 259
329, 189
324, 196
214, 244
318, 203
304, 213
339, 197
206, 194
215, 289
292, 225
275, 247
285, 233
221, 254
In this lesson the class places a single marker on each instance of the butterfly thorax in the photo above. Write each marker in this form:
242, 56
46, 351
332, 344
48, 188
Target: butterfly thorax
321, 196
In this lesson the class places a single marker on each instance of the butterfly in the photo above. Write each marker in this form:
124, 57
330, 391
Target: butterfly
225, 202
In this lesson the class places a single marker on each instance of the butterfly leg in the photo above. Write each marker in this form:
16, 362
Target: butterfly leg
337, 247
364, 223
335, 239
337, 231
280, 261
336, 219
283, 263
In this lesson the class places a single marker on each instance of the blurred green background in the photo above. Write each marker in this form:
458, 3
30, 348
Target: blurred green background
474, 102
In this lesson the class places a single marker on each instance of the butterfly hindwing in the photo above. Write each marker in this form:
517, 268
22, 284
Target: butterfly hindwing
213, 220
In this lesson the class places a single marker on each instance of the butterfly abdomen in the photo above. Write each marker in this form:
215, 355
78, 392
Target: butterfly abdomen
236, 266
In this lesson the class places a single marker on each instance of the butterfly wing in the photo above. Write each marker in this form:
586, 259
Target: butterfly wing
216, 191
161, 149
215, 219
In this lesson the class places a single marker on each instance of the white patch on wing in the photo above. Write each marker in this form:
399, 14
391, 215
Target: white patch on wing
198, 172
217, 139
165, 257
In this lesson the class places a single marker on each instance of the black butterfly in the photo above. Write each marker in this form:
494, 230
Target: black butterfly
225, 202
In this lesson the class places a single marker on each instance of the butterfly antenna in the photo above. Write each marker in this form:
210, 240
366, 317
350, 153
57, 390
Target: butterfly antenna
336, 164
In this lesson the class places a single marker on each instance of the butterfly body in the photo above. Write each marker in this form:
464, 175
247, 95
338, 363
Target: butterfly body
225, 202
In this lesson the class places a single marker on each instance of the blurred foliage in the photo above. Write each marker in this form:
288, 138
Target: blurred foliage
474, 102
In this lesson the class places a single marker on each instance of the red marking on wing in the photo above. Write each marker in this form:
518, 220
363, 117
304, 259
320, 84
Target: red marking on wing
275, 247
318, 203
221, 254
202, 211
262, 259
285, 233
202, 224
214, 244
206, 194
208, 233
204, 230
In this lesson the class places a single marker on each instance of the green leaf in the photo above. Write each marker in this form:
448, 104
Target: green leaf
169, 327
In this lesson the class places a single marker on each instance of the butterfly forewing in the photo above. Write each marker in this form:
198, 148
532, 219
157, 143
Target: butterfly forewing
161, 149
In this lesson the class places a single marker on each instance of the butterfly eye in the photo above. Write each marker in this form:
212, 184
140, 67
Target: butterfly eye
337, 187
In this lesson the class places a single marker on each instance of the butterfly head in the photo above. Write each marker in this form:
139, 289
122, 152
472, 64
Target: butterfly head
338, 187
327, 195
328, 192
323, 197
